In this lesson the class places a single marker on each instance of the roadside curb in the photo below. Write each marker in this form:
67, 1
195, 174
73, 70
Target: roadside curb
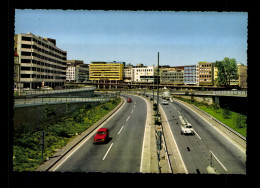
47, 165
241, 142
175, 161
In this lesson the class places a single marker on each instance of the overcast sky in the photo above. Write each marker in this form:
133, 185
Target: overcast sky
182, 38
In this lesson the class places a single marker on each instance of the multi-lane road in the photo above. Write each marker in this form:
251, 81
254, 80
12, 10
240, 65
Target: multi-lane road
207, 147
123, 152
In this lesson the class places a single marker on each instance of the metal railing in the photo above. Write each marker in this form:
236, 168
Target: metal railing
222, 92
46, 91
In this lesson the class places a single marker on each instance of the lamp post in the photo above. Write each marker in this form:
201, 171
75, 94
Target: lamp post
157, 89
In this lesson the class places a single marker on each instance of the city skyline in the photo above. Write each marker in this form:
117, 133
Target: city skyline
182, 38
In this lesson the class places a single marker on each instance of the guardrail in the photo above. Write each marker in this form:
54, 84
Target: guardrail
227, 127
221, 92
40, 92
44, 100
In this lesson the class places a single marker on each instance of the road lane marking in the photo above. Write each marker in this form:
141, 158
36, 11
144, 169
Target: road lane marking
196, 134
132, 111
120, 130
218, 160
128, 118
134, 106
107, 152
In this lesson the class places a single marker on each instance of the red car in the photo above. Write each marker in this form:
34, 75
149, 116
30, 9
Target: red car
129, 100
101, 136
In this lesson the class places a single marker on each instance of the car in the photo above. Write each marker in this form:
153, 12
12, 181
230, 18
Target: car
129, 100
164, 102
187, 129
101, 136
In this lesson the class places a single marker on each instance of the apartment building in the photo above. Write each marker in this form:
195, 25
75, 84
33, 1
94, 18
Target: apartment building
77, 71
206, 74
128, 74
191, 75
38, 62
106, 74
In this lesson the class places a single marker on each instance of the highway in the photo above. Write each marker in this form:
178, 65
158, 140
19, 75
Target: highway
207, 146
122, 153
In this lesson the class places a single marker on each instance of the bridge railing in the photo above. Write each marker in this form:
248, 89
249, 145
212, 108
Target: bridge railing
221, 92
46, 91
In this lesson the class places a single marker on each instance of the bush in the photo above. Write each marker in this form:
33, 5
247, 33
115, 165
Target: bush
240, 121
226, 113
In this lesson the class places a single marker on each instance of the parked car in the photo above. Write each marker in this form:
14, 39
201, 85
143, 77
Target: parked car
129, 100
101, 136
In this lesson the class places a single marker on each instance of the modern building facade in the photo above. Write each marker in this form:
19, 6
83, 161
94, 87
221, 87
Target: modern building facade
144, 74
191, 75
206, 74
106, 74
38, 62
77, 71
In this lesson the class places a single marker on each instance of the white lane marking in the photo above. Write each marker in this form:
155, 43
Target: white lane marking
144, 137
120, 130
134, 106
128, 118
184, 166
196, 134
219, 131
107, 151
132, 111
174, 107
87, 138
218, 161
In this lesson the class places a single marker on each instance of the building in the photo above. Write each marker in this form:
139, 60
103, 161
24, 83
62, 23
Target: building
128, 74
191, 75
38, 62
143, 74
77, 71
106, 74
172, 75
206, 74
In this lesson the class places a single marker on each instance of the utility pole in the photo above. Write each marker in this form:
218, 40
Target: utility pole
157, 88
153, 83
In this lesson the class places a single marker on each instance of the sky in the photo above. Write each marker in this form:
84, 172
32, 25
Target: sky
181, 38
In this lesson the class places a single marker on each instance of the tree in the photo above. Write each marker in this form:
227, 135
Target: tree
227, 71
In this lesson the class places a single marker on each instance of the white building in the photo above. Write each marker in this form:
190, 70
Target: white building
143, 74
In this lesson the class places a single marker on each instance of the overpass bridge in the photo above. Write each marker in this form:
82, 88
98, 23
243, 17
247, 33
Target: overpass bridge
226, 93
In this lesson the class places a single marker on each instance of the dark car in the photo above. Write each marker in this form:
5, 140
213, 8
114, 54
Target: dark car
101, 136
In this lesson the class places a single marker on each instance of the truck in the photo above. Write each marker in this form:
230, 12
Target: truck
166, 95
186, 128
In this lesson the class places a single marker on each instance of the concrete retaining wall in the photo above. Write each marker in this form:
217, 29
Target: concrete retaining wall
209, 100
33, 115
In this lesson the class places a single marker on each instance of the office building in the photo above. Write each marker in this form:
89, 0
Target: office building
77, 71
106, 74
38, 62
191, 75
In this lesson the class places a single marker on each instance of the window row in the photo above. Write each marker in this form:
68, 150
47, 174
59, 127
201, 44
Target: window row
42, 70
43, 44
44, 57
42, 63
42, 76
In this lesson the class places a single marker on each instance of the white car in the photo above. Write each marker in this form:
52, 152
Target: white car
164, 102
187, 129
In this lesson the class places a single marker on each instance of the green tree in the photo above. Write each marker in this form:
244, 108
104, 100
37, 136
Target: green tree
227, 71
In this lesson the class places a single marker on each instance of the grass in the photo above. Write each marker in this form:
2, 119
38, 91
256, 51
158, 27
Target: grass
27, 155
234, 120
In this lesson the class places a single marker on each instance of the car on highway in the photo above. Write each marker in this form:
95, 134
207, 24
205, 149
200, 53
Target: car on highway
186, 127
129, 100
101, 136
164, 102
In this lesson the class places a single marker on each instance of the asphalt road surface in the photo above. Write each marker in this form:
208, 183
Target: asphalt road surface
207, 147
123, 151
